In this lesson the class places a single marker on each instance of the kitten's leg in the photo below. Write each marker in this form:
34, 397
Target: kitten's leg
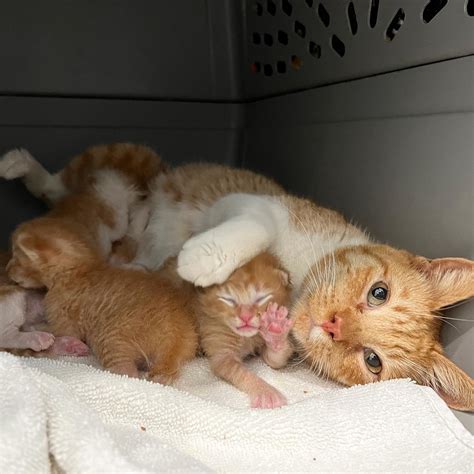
241, 227
20, 163
12, 317
262, 394
68, 346
274, 329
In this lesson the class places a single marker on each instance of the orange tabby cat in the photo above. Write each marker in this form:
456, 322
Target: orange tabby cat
240, 318
133, 321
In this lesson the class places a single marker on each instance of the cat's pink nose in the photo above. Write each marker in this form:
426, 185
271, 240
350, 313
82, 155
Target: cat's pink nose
246, 315
333, 328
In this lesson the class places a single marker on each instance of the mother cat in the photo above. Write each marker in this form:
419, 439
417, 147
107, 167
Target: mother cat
363, 311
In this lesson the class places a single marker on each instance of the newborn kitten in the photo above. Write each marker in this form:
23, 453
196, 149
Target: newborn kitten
246, 315
21, 313
132, 320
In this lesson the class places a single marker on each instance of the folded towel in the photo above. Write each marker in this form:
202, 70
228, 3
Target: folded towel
68, 415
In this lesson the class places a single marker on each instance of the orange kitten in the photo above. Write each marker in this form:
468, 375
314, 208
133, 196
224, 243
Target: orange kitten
132, 320
240, 318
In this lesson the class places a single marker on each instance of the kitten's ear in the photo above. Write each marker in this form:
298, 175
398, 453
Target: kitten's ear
452, 279
284, 277
32, 246
452, 384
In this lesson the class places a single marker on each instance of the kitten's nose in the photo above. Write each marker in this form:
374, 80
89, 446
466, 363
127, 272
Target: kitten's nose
246, 314
334, 328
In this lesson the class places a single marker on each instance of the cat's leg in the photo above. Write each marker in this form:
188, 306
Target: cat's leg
274, 329
12, 317
231, 369
240, 227
19, 163
68, 346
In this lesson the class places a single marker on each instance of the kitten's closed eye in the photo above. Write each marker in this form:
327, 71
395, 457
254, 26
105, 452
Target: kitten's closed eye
227, 300
263, 298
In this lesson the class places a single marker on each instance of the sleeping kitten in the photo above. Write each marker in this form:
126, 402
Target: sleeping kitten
21, 313
133, 321
244, 316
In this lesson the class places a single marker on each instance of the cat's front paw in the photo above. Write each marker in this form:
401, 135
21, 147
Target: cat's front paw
203, 261
14, 164
38, 340
268, 397
69, 346
275, 326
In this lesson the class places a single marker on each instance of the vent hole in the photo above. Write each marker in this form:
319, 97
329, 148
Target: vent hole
395, 25
271, 7
287, 7
373, 13
470, 7
338, 46
432, 9
255, 67
257, 8
282, 37
268, 70
351, 15
281, 67
300, 29
314, 49
296, 62
309, 3
324, 15
256, 38
268, 39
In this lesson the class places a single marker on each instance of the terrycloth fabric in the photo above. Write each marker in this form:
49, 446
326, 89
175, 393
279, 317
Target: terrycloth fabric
68, 416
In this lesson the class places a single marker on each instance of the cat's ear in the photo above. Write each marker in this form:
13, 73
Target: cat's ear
451, 279
34, 247
452, 384
284, 277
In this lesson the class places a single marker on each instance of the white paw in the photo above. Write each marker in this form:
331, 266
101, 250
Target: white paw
40, 341
205, 262
15, 164
268, 397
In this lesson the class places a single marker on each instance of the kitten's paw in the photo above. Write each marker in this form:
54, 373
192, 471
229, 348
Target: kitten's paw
275, 326
268, 397
204, 262
39, 341
15, 164
69, 346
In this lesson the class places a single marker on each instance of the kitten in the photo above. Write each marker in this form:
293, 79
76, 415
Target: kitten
244, 316
133, 321
363, 311
21, 313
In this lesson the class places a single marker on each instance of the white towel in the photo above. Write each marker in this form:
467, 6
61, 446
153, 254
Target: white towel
67, 415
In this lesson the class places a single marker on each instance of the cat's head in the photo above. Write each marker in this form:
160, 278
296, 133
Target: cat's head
369, 313
42, 249
239, 301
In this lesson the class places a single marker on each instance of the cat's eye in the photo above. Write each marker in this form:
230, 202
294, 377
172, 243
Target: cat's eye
372, 361
378, 294
227, 300
263, 299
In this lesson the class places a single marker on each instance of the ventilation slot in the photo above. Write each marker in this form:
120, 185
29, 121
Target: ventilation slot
296, 62
470, 7
432, 9
287, 7
281, 67
268, 70
282, 37
395, 25
300, 29
256, 38
314, 49
271, 7
338, 46
268, 39
373, 13
351, 16
324, 15
256, 67
257, 8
